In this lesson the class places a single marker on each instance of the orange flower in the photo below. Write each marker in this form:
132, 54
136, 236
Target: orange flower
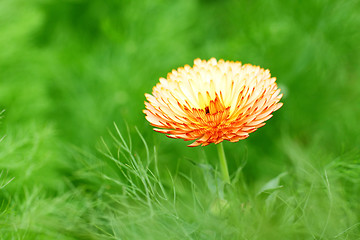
213, 101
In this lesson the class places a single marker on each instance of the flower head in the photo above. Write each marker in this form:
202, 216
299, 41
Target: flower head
212, 101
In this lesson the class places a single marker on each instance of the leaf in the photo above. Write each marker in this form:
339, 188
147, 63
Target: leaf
272, 184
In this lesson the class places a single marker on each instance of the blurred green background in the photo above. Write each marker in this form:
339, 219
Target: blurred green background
70, 69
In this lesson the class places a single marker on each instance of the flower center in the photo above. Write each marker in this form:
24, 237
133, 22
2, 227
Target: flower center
207, 110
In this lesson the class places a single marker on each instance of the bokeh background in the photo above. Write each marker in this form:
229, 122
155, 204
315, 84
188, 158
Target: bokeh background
71, 69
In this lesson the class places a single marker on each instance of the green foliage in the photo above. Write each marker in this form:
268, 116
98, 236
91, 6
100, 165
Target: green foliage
69, 69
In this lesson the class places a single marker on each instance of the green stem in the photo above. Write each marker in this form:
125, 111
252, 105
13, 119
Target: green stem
223, 164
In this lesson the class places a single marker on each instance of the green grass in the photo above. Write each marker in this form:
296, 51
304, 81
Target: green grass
71, 69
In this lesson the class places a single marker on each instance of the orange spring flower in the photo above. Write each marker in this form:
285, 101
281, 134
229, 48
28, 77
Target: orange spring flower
212, 101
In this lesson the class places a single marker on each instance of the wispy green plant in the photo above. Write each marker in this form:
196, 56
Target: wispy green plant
4, 180
140, 199
304, 203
